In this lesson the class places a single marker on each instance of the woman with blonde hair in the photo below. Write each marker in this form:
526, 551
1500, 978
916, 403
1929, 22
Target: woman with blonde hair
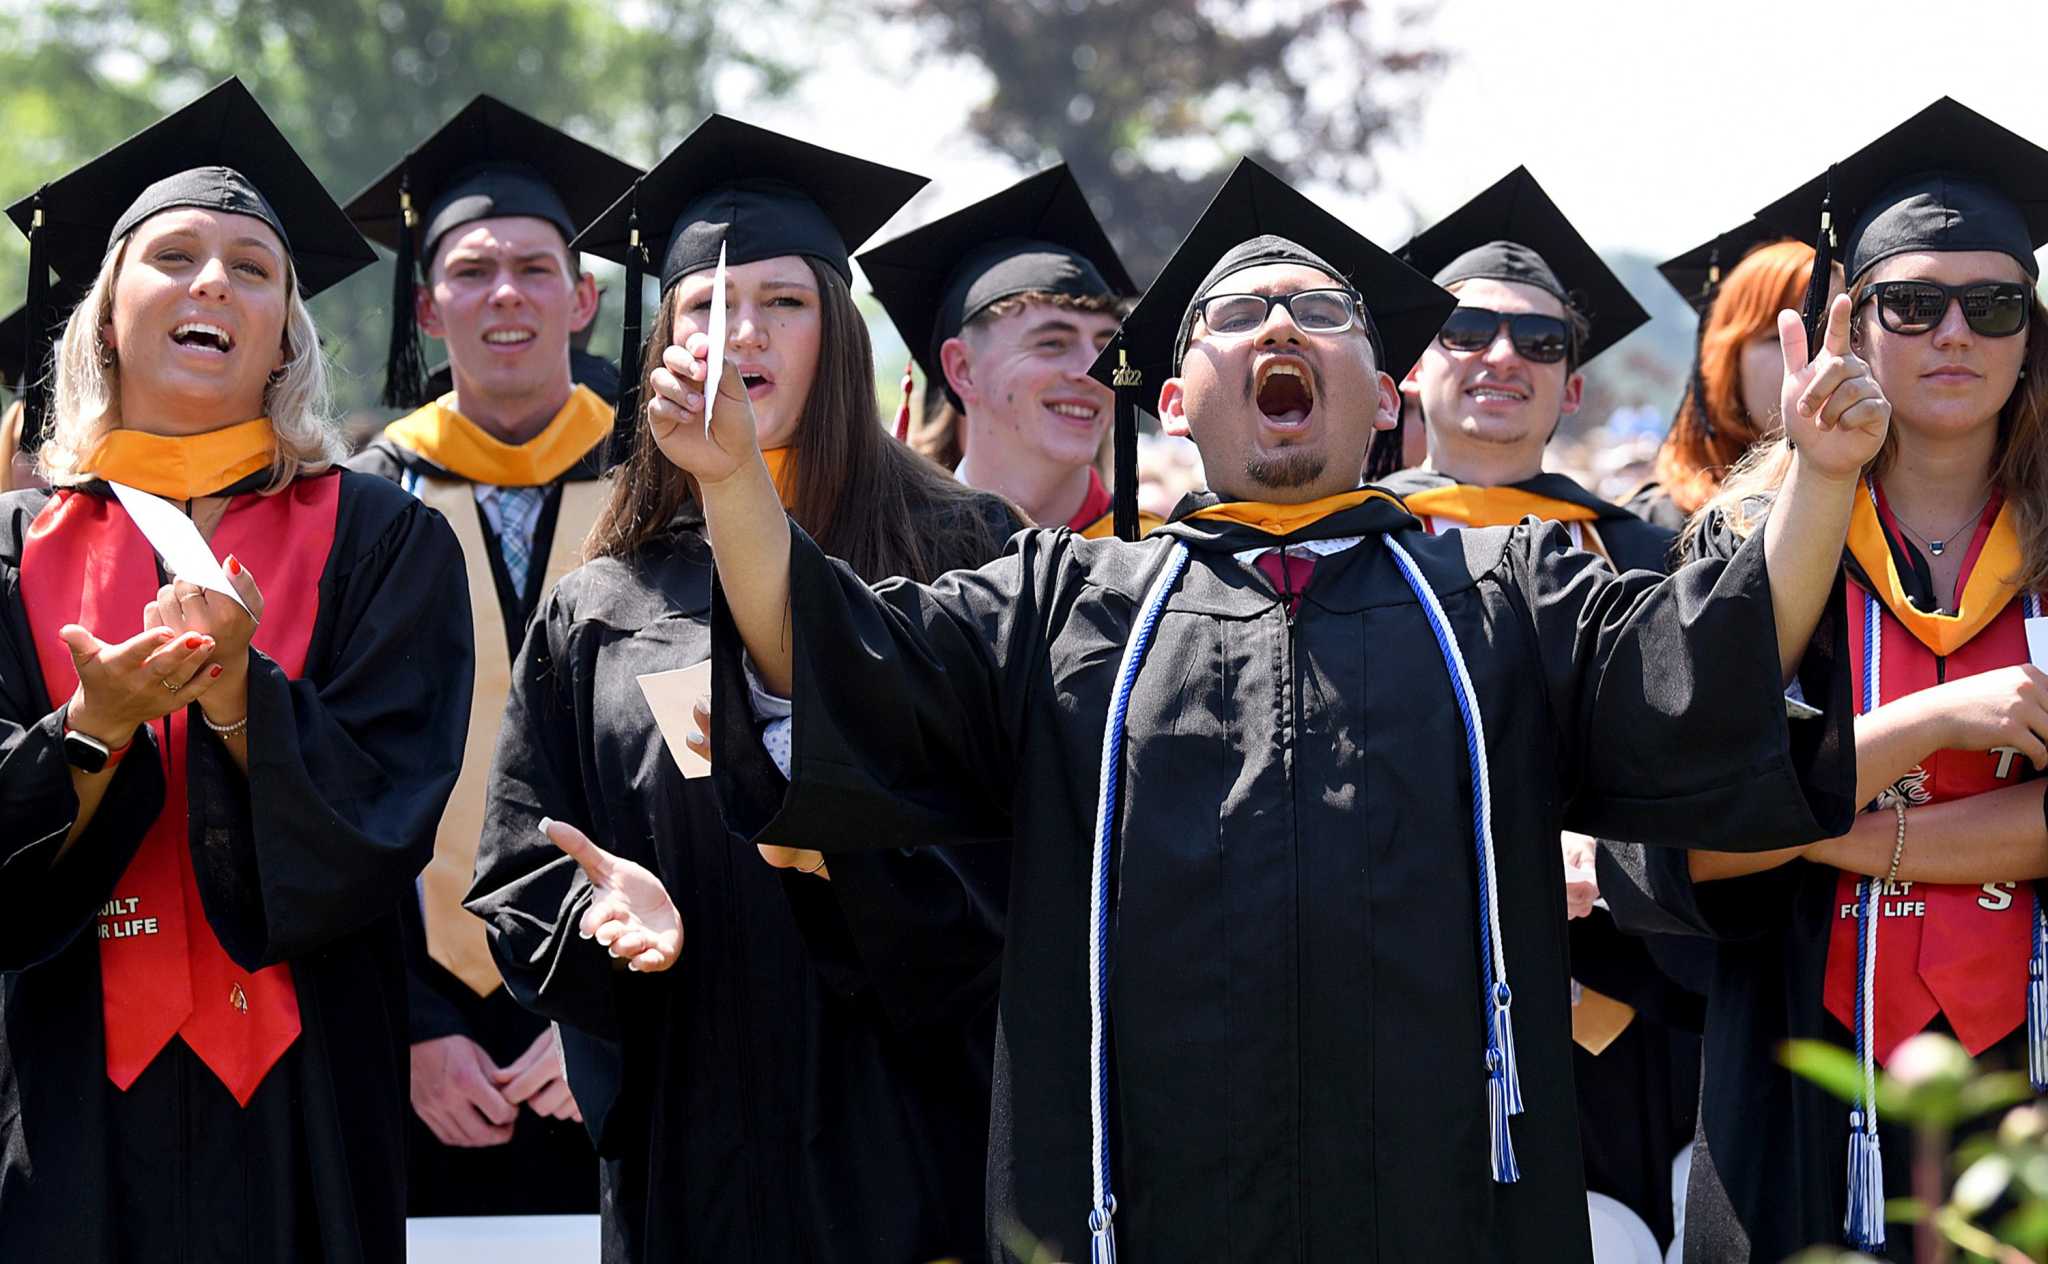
1925, 915
217, 790
1744, 280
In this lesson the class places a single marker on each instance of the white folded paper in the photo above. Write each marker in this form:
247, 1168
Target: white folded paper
714, 364
185, 552
671, 695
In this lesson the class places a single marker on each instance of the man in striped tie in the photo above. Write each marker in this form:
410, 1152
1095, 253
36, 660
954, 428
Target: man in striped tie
480, 215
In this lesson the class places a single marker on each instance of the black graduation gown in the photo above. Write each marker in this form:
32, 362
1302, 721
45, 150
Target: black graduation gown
348, 771
1295, 1003
1653, 504
1638, 1096
811, 1081
1770, 1176
548, 1167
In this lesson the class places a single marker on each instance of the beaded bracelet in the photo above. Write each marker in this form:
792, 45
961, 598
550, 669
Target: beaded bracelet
1898, 847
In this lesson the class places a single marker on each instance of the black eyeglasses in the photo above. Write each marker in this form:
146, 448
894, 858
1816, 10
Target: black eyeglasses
1539, 339
1995, 309
1314, 311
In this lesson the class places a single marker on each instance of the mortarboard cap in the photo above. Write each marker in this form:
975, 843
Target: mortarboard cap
1512, 231
1254, 219
1697, 273
754, 192
1038, 235
219, 153
490, 160
1946, 179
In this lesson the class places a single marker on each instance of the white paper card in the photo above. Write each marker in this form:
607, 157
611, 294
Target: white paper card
671, 695
2037, 641
714, 364
185, 552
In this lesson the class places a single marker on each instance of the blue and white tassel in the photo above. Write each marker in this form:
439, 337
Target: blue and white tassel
1102, 1216
2037, 963
1503, 1077
1503, 1081
1863, 1222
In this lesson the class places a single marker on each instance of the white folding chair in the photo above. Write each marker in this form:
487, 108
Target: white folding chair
502, 1239
1619, 1235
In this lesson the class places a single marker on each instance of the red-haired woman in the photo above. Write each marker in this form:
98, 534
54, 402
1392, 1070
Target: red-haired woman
1732, 402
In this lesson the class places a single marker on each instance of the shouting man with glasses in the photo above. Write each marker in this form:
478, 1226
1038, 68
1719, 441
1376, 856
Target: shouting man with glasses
1283, 779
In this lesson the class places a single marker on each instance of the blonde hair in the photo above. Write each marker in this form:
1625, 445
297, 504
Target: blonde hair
85, 401
2019, 464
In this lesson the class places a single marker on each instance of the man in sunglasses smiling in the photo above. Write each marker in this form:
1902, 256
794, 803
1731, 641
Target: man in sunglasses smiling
1535, 303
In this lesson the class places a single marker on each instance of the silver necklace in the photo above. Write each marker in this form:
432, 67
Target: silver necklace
1936, 546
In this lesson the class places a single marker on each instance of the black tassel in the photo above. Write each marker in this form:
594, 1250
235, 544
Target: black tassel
1696, 393
631, 355
1129, 381
405, 364
35, 361
1814, 310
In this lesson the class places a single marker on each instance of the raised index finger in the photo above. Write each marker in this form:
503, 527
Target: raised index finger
1792, 339
1836, 339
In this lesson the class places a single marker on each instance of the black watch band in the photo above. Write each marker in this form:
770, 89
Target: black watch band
86, 754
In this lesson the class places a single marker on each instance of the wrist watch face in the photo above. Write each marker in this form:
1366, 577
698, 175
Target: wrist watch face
83, 753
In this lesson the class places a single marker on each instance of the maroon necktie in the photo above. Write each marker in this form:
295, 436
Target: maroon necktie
1288, 574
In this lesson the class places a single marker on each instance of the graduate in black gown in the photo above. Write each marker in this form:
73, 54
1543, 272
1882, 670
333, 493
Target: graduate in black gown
809, 1082
1926, 915
480, 215
1535, 305
213, 811
1285, 975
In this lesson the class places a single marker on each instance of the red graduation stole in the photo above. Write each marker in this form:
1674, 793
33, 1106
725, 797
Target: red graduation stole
163, 973
1961, 951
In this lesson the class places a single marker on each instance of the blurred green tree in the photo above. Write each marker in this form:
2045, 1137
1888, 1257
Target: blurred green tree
1149, 100
353, 82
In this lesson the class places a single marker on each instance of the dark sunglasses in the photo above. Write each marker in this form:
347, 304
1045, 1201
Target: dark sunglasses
1995, 309
1537, 338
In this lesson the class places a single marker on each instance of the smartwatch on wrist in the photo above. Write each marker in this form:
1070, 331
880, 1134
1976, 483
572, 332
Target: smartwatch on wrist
87, 753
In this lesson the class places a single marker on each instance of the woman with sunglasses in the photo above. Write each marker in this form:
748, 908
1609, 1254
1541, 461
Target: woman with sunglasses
1925, 915
213, 800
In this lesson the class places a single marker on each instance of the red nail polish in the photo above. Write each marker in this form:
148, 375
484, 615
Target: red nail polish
192, 640
234, 565
213, 672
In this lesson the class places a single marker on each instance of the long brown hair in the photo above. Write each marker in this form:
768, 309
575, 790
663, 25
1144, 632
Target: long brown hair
2019, 464
865, 498
1710, 434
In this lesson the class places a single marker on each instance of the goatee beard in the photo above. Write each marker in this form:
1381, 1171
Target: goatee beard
1286, 469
